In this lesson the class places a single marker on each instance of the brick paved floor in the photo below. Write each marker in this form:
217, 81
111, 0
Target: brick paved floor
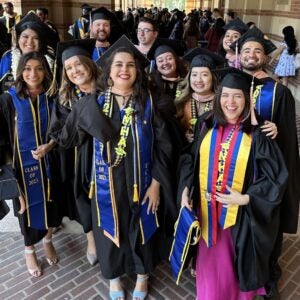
74, 278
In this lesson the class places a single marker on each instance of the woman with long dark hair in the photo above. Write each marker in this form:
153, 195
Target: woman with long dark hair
130, 168
32, 35
25, 111
287, 50
196, 92
239, 176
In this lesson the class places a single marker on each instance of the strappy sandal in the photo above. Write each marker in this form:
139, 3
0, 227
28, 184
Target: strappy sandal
140, 295
53, 260
36, 272
114, 295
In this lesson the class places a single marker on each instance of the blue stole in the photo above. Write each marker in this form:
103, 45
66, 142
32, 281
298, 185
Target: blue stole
187, 233
27, 139
98, 52
264, 99
5, 64
81, 27
103, 173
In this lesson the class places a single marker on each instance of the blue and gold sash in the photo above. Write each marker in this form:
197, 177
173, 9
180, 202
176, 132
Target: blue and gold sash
264, 99
28, 138
216, 171
187, 233
80, 25
103, 174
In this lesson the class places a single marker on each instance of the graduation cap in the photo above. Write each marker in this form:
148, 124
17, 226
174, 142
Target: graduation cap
237, 25
32, 21
116, 27
122, 42
162, 45
102, 13
201, 57
68, 49
236, 79
255, 35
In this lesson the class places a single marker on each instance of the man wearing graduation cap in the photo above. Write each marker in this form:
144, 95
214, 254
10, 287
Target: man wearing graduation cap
105, 28
274, 102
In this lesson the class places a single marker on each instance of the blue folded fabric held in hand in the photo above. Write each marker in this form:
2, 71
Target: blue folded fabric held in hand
187, 233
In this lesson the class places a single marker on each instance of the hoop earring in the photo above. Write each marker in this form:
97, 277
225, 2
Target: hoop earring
110, 82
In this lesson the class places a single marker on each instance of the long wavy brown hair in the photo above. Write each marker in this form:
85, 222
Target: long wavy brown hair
67, 88
20, 85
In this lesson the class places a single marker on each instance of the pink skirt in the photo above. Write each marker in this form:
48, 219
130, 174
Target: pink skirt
216, 278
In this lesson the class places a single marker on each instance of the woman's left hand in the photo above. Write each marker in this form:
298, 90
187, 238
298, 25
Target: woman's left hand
270, 129
42, 150
233, 198
153, 194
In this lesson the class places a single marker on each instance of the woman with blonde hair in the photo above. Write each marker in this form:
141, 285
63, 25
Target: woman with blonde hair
80, 77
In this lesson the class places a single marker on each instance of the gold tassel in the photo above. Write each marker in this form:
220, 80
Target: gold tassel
48, 189
135, 193
92, 189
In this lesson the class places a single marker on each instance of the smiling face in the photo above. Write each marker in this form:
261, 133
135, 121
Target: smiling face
145, 34
252, 56
201, 80
100, 30
33, 74
166, 64
123, 71
29, 41
77, 73
230, 37
232, 103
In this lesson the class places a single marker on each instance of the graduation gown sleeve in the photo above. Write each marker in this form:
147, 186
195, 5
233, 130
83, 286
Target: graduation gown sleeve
258, 222
85, 118
161, 171
285, 119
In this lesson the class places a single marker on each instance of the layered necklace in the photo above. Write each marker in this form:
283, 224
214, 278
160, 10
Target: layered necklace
196, 103
126, 123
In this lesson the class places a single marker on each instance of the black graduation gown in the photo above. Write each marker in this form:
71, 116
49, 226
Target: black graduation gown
63, 170
7, 117
284, 116
257, 224
74, 134
131, 257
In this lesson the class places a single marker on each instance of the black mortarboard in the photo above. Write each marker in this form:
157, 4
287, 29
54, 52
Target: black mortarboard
71, 48
256, 35
101, 13
162, 45
123, 42
32, 21
86, 6
201, 57
237, 25
236, 79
